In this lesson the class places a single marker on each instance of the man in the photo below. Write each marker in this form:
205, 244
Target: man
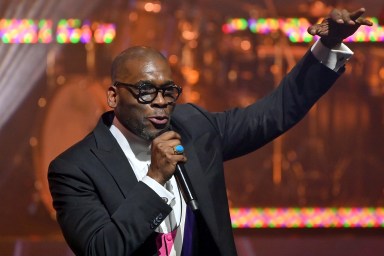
114, 191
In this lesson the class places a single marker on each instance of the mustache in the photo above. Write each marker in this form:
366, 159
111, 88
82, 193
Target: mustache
161, 112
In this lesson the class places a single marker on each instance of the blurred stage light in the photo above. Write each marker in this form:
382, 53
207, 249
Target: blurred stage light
307, 217
28, 31
234, 25
25, 31
296, 29
152, 7
105, 33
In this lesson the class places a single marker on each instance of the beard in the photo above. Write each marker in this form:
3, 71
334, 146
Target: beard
144, 129
150, 135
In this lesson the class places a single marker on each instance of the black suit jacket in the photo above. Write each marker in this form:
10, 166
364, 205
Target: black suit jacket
102, 208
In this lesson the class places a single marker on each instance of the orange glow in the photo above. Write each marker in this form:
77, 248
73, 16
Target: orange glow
191, 75
195, 96
42, 102
173, 59
245, 45
232, 75
381, 73
156, 8
192, 44
133, 16
152, 7
60, 80
148, 7
274, 69
189, 35
33, 142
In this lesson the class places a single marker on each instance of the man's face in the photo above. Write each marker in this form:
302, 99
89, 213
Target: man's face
145, 120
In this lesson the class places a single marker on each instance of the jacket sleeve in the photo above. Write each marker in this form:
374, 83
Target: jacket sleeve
88, 226
245, 130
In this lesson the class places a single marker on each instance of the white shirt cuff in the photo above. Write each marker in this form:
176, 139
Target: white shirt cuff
166, 195
332, 58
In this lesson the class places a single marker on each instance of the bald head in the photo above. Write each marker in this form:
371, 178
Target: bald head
142, 54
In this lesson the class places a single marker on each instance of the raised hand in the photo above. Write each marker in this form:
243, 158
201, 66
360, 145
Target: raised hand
339, 25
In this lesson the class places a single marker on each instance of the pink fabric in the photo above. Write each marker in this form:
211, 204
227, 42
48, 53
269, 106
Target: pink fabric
165, 241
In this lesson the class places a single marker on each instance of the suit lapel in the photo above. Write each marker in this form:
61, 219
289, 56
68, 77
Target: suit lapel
112, 156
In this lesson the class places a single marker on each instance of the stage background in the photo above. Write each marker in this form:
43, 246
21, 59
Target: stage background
52, 92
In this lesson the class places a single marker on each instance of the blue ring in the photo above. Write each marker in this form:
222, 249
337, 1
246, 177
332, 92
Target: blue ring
179, 149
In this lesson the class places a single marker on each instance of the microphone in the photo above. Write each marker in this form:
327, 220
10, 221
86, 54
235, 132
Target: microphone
186, 187
184, 183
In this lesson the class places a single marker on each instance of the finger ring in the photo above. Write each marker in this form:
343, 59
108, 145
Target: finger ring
178, 150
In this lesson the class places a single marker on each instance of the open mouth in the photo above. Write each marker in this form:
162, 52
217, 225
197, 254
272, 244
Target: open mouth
158, 120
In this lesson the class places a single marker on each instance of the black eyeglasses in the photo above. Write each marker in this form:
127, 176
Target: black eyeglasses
147, 92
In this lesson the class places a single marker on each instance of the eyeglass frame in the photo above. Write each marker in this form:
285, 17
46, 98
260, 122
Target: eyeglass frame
140, 84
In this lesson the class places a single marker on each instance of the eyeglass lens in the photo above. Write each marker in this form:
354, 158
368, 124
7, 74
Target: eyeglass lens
148, 92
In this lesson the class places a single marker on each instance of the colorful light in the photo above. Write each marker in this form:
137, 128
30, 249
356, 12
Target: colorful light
105, 33
307, 217
296, 29
374, 33
263, 26
68, 31
86, 33
27, 31
18, 31
233, 25
45, 31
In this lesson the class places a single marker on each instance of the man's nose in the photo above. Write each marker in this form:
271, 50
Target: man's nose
159, 99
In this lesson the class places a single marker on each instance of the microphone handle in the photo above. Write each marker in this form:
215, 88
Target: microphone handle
186, 187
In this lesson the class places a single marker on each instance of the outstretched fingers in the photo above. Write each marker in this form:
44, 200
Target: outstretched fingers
356, 14
356, 17
351, 18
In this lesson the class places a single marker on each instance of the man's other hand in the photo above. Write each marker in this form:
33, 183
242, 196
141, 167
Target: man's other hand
339, 25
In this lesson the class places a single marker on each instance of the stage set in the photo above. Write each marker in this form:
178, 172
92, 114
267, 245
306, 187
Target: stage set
316, 190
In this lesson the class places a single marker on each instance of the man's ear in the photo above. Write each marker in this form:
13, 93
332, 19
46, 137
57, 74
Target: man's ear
112, 97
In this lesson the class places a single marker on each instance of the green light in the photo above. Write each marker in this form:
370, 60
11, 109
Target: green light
76, 23
307, 39
42, 23
75, 37
5, 39
28, 38
60, 38
259, 224
108, 38
292, 38
62, 23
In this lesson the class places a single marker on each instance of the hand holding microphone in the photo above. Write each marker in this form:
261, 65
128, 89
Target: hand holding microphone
167, 159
